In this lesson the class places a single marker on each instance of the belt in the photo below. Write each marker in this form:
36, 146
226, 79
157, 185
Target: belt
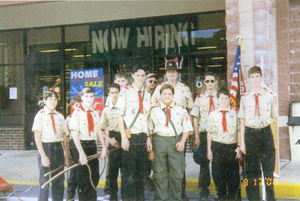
258, 129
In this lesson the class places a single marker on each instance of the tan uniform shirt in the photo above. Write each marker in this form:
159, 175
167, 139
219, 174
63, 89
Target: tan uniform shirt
201, 109
215, 126
182, 95
109, 118
179, 117
43, 124
267, 109
80, 122
128, 106
68, 121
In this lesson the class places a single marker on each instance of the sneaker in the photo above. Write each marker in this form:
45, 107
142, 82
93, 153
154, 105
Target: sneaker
106, 197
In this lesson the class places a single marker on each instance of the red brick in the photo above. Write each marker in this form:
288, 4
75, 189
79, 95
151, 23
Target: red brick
282, 9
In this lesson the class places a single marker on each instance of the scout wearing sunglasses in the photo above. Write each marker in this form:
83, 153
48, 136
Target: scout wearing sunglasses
205, 103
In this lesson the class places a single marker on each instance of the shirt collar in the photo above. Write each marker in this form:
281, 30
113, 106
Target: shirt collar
206, 94
163, 106
136, 88
227, 109
252, 93
86, 109
111, 105
47, 111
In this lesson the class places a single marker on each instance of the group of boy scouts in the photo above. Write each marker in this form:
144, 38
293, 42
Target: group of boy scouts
141, 124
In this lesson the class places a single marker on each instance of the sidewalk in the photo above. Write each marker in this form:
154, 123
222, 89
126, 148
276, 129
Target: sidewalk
21, 168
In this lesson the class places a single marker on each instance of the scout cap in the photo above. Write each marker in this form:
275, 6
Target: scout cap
151, 75
171, 65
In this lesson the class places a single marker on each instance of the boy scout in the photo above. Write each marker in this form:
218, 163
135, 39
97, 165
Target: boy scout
169, 144
257, 110
50, 131
222, 148
205, 103
109, 121
72, 185
133, 109
85, 130
182, 97
122, 80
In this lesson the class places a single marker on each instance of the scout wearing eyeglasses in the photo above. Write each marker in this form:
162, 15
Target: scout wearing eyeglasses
205, 103
109, 122
85, 130
169, 144
257, 110
222, 147
151, 82
72, 182
50, 130
182, 97
134, 103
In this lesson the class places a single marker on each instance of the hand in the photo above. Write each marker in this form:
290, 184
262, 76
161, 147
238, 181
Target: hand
197, 142
238, 153
114, 142
209, 155
103, 152
82, 159
151, 156
45, 161
243, 148
125, 144
180, 146
149, 144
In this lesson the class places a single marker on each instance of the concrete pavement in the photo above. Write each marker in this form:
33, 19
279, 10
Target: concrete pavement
21, 169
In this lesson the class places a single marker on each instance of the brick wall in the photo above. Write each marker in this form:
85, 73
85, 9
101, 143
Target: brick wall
12, 138
294, 29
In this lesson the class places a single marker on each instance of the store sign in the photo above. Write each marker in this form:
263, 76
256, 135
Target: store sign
88, 77
170, 35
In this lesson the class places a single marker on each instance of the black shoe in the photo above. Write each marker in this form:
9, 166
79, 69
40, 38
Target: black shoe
204, 193
149, 185
184, 197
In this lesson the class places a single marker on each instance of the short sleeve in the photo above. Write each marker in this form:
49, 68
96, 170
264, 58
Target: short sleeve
210, 124
150, 123
187, 124
241, 114
37, 123
103, 120
121, 103
65, 128
274, 107
190, 101
74, 125
196, 109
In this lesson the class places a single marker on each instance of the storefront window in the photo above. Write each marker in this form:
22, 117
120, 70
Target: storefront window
171, 35
12, 95
11, 47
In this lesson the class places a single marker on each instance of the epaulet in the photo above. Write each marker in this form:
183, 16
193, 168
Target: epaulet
175, 103
59, 112
183, 107
70, 115
42, 110
243, 94
160, 83
105, 106
185, 85
199, 96
126, 87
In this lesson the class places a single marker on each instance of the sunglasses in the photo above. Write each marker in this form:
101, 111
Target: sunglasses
207, 81
152, 81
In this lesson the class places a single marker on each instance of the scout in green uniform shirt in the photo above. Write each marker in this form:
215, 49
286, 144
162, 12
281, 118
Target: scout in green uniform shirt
168, 145
222, 147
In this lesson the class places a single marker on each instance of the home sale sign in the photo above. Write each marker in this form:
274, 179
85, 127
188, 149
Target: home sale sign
88, 77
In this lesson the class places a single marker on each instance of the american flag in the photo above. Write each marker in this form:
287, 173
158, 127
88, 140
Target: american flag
237, 83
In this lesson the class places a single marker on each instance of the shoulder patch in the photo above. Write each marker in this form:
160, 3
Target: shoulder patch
160, 83
185, 85
183, 107
42, 111
126, 87
199, 96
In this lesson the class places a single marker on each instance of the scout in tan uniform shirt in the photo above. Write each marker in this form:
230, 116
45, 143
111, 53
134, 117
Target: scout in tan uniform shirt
85, 130
257, 110
72, 183
50, 131
134, 102
182, 97
109, 122
204, 104
168, 146
222, 148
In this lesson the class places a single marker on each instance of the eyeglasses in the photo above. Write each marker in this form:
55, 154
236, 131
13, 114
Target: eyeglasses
207, 81
152, 81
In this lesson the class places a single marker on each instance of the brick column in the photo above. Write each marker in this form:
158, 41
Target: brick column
283, 51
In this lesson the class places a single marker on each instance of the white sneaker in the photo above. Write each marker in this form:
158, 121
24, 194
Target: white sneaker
106, 197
